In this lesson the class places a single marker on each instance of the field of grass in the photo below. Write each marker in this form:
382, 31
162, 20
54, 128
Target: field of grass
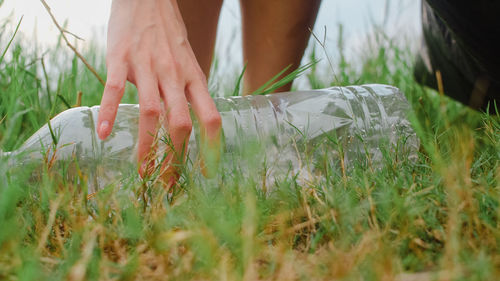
433, 219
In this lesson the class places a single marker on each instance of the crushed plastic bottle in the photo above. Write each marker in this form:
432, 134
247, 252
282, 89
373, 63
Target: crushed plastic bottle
289, 127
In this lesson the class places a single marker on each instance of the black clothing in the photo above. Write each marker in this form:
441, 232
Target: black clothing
462, 41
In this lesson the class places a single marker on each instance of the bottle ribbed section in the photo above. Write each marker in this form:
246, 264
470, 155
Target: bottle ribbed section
284, 132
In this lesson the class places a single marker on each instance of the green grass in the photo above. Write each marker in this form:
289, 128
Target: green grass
438, 215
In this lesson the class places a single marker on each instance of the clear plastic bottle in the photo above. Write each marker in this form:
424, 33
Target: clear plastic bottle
288, 127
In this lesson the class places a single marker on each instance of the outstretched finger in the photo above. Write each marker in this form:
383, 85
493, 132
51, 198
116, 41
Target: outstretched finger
179, 126
210, 126
150, 108
113, 93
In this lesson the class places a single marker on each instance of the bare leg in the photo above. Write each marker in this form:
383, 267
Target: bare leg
201, 18
275, 35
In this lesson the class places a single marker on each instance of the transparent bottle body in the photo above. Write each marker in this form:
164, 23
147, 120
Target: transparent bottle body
284, 125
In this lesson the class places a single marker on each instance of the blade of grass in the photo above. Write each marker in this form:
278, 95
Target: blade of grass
236, 91
47, 84
322, 44
64, 101
266, 89
11, 39
52, 134
262, 89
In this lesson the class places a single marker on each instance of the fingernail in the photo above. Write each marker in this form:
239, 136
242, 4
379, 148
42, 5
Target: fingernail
103, 128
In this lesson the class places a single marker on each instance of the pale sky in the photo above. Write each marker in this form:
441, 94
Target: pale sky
88, 19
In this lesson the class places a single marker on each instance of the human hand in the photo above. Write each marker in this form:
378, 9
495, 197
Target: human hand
148, 46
